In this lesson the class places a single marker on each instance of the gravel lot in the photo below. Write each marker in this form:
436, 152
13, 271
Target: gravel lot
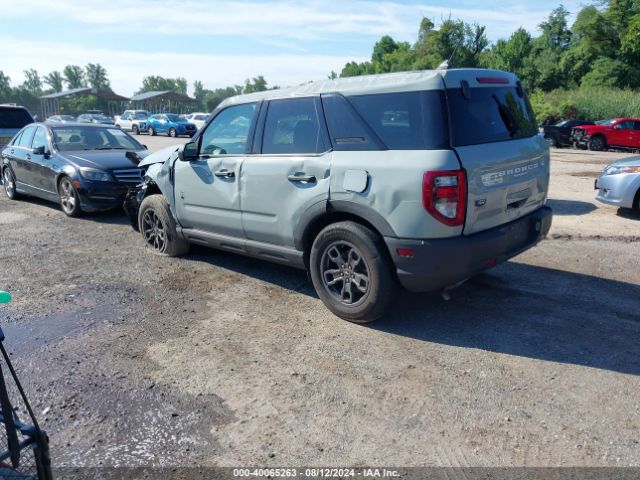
216, 359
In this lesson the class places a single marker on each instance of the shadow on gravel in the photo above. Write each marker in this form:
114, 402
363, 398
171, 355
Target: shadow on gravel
628, 213
534, 312
570, 207
515, 309
113, 217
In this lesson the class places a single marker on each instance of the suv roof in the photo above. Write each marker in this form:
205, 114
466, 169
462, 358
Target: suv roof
384, 83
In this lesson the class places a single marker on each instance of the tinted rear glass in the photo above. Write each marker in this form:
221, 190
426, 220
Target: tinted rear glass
14, 118
489, 115
405, 121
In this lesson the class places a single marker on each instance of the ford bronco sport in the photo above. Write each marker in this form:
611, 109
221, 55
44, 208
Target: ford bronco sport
421, 179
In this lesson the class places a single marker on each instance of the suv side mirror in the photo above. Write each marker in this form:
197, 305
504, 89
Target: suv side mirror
188, 152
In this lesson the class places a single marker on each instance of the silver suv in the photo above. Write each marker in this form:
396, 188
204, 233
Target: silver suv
418, 179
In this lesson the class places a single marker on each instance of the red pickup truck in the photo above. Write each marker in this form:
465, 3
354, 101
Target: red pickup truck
621, 133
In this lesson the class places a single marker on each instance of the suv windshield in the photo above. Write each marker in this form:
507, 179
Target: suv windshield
92, 138
14, 118
489, 115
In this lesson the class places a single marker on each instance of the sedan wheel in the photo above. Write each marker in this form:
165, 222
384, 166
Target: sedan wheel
135, 130
9, 184
69, 200
172, 132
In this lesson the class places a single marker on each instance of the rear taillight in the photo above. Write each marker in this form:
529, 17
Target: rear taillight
444, 196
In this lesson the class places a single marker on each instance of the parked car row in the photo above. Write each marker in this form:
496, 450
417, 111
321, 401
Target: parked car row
617, 133
365, 183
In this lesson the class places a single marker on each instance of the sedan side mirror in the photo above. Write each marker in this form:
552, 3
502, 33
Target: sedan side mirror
188, 152
39, 150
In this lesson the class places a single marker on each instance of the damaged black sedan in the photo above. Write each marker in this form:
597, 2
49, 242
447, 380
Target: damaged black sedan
85, 168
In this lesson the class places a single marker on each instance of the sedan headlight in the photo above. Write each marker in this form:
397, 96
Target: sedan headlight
95, 175
618, 169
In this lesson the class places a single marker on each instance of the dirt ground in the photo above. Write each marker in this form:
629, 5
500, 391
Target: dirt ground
217, 359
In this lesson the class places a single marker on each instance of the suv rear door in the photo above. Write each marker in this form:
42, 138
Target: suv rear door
494, 133
289, 172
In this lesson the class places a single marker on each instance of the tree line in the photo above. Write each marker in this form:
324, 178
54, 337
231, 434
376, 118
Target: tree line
600, 49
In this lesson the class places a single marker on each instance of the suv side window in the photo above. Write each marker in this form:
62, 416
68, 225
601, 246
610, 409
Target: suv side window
27, 137
293, 126
228, 134
636, 125
626, 125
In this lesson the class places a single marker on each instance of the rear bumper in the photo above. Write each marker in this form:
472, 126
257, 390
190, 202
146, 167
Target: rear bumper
440, 263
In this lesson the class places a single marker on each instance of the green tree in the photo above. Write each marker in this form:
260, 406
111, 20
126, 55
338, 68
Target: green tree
609, 72
96, 76
215, 97
74, 76
462, 42
512, 55
32, 82
54, 80
5, 86
181, 85
257, 84
154, 83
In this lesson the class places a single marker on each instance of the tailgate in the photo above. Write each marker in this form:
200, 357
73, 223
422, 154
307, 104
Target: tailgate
506, 180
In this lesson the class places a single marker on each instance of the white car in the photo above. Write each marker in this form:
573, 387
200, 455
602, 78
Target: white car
619, 184
198, 119
133, 121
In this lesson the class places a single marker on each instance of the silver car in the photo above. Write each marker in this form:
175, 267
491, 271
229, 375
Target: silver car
619, 184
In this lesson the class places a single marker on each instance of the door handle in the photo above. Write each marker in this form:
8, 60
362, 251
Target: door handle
12, 151
224, 174
28, 157
302, 178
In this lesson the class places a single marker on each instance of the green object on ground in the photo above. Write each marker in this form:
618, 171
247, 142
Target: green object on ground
5, 297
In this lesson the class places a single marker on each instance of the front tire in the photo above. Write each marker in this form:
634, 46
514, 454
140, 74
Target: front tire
352, 272
551, 140
152, 131
172, 132
135, 130
597, 144
9, 182
158, 227
69, 199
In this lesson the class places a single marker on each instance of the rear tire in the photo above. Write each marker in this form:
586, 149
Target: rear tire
636, 202
597, 143
135, 130
158, 227
172, 132
352, 272
9, 182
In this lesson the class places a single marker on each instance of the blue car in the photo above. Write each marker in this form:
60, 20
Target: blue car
170, 124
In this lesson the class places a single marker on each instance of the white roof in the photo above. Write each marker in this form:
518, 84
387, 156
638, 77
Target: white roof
380, 83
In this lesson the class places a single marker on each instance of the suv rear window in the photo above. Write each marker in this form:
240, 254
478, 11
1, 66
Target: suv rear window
14, 118
489, 115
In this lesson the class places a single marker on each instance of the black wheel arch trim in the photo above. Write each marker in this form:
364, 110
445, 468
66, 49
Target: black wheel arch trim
320, 209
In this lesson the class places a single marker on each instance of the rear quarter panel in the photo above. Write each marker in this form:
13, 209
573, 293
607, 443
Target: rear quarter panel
394, 187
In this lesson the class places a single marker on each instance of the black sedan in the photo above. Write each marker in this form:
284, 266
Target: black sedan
83, 167
559, 135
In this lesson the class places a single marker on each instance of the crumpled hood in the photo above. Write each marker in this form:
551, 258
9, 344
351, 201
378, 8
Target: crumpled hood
160, 156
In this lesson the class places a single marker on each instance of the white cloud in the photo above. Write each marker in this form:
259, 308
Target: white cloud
281, 18
126, 69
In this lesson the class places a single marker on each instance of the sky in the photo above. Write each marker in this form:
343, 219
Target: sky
222, 43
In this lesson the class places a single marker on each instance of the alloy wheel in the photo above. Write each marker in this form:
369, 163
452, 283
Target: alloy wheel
9, 184
67, 196
153, 230
345, 273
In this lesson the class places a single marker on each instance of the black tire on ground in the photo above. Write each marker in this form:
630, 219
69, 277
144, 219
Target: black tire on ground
158, 227
172, 132
597, 143
9, 183
69, 199
636, 202
552, 141
135, 130
152, 132
352, 272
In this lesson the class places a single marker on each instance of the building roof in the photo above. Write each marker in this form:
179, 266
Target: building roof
160, 94
106, 93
